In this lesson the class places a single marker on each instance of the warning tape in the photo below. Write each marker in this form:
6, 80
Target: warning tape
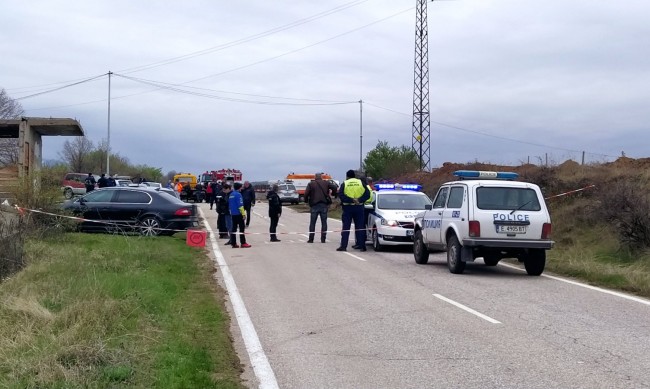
570, 192
22, 211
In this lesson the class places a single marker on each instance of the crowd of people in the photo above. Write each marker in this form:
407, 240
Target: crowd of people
234, 204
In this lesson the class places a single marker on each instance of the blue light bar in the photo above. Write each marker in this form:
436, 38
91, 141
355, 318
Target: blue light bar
386, 186
485, 175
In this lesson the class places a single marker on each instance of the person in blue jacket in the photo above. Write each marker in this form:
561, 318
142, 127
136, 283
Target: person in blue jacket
353, 194
238, 214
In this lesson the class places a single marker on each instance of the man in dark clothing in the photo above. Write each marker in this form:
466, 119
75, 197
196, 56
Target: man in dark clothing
216, 188
102, 182
248, 194
353, 194
90, 183
275, 210
318, 196
224, 222
111, 181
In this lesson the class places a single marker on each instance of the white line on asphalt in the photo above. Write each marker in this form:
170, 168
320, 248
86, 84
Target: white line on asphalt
468, 309
259, 361
617, 294
354, 256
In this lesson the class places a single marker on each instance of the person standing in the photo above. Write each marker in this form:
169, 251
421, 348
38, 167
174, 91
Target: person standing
275, 210
318, 196
90, 183
208, 193
353, 193
224, 221
102, 182
248, 194
238, 214
216, 188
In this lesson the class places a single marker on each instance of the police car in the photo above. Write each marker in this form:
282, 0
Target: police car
488, 215
392, 212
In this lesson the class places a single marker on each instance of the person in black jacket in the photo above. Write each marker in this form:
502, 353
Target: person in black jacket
248, 194
102, 182
224, 222
275, 210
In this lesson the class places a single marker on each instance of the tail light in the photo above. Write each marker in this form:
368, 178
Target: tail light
183, 212
474, 229
546, 231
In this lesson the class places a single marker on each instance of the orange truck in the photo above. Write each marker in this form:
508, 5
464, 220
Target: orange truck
300, 181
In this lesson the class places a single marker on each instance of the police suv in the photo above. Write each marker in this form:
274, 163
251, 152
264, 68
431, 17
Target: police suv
485, 214
392, 212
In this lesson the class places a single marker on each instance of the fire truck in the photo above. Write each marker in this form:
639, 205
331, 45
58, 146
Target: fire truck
224, 175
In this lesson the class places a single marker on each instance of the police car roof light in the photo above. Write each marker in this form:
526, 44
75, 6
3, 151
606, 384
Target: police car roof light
485, 175
388, 186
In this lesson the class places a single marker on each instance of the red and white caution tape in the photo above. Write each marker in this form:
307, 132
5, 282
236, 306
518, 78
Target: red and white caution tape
570, 192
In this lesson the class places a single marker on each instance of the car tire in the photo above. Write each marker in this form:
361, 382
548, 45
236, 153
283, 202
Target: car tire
535, 261
420, 250
68, 194
150, 226
375, 240
491, 259
454, 263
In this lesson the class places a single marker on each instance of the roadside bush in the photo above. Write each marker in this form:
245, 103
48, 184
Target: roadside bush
625, 204
40, 203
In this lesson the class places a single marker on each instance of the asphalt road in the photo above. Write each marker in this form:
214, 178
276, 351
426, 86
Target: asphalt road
328, 319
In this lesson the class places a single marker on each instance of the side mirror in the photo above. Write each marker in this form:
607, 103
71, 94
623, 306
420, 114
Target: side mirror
428, 206
369, 206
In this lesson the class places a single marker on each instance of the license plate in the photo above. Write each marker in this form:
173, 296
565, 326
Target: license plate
409, 232
503, 229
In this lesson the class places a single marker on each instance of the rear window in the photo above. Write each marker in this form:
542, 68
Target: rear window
500, 198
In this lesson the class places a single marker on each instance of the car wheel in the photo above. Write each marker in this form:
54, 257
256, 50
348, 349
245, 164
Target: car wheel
456, 266
535, 261
491, 259
420, 250
375, 240
67, 193
150, 226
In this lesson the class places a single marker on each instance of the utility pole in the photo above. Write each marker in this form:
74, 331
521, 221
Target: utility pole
108, 140
420, 142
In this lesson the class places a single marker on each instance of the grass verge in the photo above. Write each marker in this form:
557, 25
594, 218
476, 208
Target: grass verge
104, 311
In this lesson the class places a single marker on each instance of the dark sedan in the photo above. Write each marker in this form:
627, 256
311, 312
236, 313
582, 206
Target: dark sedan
145, 210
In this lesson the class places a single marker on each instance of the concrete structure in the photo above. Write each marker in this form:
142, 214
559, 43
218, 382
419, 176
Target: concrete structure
29, 132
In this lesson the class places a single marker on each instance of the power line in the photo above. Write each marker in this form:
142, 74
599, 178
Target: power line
214, 48
175, 88
495, 136
246, 39
61, 87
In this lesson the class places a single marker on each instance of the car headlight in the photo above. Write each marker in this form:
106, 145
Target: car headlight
391, 223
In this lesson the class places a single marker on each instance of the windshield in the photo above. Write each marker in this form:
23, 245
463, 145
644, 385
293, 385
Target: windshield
405, 201
495, 198
206, 177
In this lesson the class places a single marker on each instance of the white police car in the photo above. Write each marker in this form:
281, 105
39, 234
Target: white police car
392, 213
485, 214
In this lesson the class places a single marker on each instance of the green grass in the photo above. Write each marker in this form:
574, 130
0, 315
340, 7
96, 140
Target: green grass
104, 311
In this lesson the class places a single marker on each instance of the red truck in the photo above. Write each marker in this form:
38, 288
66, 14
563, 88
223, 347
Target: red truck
231, 175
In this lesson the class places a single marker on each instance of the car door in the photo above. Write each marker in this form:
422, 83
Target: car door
129, 204
452, 214
93, 207
432, 221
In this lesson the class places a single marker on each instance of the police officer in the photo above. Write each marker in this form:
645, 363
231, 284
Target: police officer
353, 194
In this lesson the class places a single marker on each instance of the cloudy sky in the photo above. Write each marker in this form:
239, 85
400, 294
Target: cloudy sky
271, 87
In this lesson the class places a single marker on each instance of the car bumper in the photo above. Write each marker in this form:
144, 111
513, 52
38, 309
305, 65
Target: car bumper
394, 236
520, 244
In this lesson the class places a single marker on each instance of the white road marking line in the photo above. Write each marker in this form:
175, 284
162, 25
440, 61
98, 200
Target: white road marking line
354, 256
613, 293
468, 309
259, 361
